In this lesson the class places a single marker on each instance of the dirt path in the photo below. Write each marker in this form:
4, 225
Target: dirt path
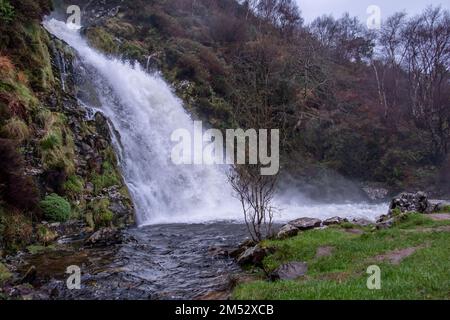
395, 257
439, 216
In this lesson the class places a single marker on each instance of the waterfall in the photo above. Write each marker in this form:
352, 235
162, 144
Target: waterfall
145, 111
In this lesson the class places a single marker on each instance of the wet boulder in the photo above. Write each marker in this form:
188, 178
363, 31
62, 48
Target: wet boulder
253, 255
241, 248
289, 271
104, 237
287, 231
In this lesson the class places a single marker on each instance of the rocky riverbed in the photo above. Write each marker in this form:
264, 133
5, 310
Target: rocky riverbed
177, 261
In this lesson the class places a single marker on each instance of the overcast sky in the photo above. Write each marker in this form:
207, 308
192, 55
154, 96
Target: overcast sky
313, 8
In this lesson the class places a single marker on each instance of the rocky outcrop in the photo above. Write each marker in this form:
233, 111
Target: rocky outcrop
253, 255
289, 271
295, 226
402, 205
306, 223
287, 231
334, 221
411, 202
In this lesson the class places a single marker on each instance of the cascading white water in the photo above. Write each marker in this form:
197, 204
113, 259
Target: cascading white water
145, 112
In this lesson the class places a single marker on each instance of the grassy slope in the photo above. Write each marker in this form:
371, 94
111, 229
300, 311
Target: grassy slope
423, 275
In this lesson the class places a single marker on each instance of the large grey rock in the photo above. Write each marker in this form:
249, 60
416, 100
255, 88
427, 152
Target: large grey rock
241, 248
306, 223
253, 255
411, 202
289, 271
333, 221
287, 231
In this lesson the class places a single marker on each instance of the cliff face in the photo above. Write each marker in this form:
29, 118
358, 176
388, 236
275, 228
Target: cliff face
58, 169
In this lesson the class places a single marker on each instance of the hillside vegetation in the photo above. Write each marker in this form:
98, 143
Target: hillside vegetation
254, 64
49, 170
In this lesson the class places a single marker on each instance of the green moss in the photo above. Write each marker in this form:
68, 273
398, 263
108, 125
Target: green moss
7, 13
101, 214
51, 141
102, 40
45, 235
107, 179
55, 208
57, 146
4, 274
74, 185
90, 220
36, 249
41, 76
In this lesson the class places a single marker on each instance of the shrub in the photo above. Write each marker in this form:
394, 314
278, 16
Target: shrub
6, 11
16, 129
51, 141
55, 208
16, 189
6, 66
4, 274
18, 230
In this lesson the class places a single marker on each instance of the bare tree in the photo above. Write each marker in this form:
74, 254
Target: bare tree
427, 60
255, 192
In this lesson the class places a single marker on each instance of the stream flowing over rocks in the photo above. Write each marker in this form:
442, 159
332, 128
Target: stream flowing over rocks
155, 262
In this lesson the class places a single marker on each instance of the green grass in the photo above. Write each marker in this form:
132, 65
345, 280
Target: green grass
4, 273
445, 209
423, 275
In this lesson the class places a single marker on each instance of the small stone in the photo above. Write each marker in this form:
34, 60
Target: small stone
289, 271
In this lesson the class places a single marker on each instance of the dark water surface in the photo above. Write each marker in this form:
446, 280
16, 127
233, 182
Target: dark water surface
179, 261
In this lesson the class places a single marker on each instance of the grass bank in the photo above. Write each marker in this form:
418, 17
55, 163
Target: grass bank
413, 257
